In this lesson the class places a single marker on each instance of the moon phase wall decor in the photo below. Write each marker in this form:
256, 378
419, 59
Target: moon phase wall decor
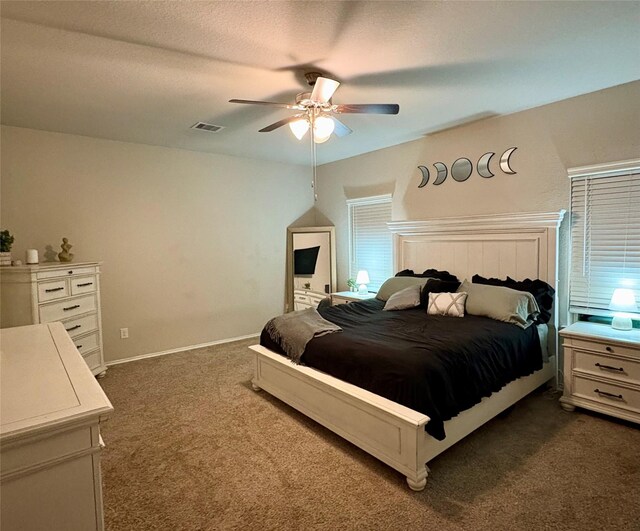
504, 161
425, 176
483, 165
442, 172
462, 168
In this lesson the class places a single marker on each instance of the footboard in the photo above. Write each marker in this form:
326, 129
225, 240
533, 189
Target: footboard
387, 430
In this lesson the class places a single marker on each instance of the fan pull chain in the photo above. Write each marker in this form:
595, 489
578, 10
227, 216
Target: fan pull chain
313, 158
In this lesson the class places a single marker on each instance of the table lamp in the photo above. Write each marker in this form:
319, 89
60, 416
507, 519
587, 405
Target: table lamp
623, 300
362, 279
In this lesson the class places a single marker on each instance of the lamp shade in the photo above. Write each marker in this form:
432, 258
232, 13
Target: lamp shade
299, 127
362, 277
323, 126
623, 300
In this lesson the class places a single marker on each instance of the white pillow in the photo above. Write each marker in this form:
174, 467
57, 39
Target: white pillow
451, 304
404, 299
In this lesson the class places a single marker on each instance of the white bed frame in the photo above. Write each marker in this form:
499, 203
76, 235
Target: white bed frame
518, 245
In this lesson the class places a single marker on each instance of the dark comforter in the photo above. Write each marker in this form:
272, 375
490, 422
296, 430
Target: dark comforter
436, 365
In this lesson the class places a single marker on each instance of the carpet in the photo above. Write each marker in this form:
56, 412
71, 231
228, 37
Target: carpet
192, 447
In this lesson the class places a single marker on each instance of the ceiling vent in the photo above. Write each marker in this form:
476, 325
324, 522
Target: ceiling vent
203, 126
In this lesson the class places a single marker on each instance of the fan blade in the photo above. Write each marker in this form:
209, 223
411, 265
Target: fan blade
368, 108
323, 90
271, 103
340, 129
280, 123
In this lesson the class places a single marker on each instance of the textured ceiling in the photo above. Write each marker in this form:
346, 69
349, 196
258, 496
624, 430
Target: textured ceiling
146, 71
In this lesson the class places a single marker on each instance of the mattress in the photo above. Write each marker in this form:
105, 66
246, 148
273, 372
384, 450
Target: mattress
436, 365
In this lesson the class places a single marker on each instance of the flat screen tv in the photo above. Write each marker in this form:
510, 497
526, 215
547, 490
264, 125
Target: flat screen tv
304, 260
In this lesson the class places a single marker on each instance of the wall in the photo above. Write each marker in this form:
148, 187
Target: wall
192, 243
599, 127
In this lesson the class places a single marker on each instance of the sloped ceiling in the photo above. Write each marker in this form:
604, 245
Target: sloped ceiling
146, 71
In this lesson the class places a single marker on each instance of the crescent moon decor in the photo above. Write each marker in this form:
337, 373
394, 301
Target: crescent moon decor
442, 172
483, 165
461, 169
504, 161
425, 176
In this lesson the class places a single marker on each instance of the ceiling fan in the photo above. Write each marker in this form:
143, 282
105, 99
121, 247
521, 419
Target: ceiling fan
317, 112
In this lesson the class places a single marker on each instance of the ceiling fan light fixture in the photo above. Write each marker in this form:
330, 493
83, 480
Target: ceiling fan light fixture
299, 127
323, 126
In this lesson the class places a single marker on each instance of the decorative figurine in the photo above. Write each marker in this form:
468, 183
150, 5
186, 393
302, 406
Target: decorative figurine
65, 255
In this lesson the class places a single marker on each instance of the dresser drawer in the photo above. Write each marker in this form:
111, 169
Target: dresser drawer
611, 367
605, 348
304, 299
66, 272
67, 308
93, 359
606, 393
86, 344
81, 285
49, 291
81, 325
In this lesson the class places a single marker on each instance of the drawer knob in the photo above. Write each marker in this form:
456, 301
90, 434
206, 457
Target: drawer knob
70, 272
79, 347
51, 290
85, 284
71, 307
609, 367
608, 395
609, 349
73, 328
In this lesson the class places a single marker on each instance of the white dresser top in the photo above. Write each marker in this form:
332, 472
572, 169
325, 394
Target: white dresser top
46, 266
583, 329
44, 381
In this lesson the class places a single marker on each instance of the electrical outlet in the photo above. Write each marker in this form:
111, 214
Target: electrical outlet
124, 333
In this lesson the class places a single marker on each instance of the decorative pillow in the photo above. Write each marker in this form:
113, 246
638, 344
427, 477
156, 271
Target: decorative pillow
502, 304
429, 273
538, 288
406, 273
434, 285
404, 299
451, 304
440, 275
391, 285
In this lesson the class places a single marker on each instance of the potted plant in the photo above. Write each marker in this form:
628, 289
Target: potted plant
352, 284
6, 241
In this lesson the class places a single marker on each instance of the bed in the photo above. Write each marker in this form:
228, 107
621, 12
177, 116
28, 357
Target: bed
516, 245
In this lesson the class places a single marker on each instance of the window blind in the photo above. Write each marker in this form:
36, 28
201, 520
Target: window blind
370, 239
605, 238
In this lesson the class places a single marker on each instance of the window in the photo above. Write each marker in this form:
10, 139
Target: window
605, 235
370, 244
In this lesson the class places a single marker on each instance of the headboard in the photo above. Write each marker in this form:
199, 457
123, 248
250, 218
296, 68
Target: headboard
523, 245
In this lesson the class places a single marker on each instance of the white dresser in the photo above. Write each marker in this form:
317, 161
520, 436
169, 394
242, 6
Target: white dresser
51, 407
55, 291
303, 299
602, 370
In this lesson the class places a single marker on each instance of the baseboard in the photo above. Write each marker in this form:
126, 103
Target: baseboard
180, 349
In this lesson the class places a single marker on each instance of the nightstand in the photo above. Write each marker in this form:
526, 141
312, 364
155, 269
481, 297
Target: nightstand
602, 370
345, 297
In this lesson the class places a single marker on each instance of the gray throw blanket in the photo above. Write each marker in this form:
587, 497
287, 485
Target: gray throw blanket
292, 331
